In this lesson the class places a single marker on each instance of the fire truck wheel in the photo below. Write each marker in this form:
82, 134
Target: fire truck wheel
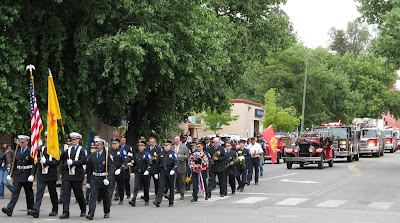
289, 164
349, 159
301, 165
377, 154
356, 157
330, 163
391, 151
278, 159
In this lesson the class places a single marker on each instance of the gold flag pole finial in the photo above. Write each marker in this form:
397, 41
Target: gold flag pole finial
30, 67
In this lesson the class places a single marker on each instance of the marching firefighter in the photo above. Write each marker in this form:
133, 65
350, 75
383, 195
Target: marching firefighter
100, 169
119, 157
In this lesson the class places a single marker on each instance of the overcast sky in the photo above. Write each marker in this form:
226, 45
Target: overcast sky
312, 19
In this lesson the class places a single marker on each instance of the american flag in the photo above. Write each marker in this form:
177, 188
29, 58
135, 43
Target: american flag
36, 124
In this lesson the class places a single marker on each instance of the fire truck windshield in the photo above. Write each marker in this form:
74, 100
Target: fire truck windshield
369, 133
339, 133
388, 133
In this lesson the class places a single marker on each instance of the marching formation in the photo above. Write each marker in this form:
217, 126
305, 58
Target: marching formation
174, 166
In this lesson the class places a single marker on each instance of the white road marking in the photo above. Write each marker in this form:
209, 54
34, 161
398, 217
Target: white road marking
332, 203
287, 216
215, 198
292, 201
380, 205
270, 178
302, 182
250, 200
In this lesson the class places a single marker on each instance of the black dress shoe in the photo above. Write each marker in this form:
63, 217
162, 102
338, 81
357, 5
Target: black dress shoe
156, 203
146, 203
241, 190
256, 183
7, 211
107, 215
121, 202
83, 214
238, 188
64, 216
142, 197
90, 217
206, 198
166, 196
171, 205
194, 200
53, 213
29, 212
222, 195
116, 198
35, 214
247, 183
132, 203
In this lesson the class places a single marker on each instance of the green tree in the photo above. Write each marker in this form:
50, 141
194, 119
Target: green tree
358, 37
214, 120
283, 119
146, 62
339, 41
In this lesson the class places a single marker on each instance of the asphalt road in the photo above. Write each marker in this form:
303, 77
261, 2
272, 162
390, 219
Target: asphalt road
363, 191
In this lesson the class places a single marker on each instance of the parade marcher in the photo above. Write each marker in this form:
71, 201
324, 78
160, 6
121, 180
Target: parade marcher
92, 151
128, 149
23, 171
62, 166
230, 166
262, 142
196, 175
192, 149
47, 175
154, 151
168, 163
208, 144
140, 162
73, 158
255, 151
241, 170
100, 168
182, 153
184, 141
6, 159
217, 168
119, 157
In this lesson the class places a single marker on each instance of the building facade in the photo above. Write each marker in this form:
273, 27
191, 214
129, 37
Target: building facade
248, 123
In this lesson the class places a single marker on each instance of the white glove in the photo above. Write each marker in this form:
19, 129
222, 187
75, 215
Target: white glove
42, 160
132, 175
172, 172
65, 147
88, 186
146, 173
9, 178
117, 172
69, 162
40, 142
156, 176
106, 182
31, 178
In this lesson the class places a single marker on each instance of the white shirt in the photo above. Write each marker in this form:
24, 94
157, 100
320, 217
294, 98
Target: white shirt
256, 148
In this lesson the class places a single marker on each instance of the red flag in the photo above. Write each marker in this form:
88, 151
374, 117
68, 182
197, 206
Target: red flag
269, 137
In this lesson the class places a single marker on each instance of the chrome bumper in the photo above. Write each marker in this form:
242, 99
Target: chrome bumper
304, 159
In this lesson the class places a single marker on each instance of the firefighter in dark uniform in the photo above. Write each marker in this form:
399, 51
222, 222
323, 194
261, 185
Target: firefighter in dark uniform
154, 151
100, 173
47, 175
230, 170
168, 163
73, 160
241, 170
140, 162
24, 170
119, 157
128, 150
92, 151
217, 168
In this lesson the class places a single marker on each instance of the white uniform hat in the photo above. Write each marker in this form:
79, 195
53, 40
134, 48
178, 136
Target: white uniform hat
23, 138
45, 133
75, 135
99, 141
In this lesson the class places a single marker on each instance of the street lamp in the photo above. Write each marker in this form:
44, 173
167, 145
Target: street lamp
333, 52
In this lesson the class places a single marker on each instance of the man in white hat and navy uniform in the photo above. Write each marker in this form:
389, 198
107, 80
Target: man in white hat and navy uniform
47, 175
24, 173
73, 158
99, 178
